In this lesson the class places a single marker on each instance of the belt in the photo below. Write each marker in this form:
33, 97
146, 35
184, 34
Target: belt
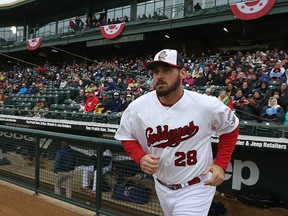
179, 186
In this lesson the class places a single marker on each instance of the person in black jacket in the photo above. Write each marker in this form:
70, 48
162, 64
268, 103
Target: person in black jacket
65, 162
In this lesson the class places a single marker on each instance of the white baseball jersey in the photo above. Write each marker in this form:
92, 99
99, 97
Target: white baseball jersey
180, 134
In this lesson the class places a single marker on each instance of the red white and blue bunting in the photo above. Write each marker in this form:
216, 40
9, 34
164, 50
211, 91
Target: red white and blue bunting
112, 31
34, 43
252, 9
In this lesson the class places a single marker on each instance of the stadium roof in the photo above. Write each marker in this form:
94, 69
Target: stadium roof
39, 13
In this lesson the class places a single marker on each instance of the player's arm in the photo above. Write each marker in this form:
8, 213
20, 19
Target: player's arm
147, 162
134, 150
227, 143
226, 146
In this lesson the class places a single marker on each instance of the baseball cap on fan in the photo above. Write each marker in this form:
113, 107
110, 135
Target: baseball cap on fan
167, 56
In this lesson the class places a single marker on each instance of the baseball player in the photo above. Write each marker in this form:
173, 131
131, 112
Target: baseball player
168, 131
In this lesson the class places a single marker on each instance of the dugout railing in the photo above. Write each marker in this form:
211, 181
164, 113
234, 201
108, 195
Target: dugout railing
28, 156
27, 159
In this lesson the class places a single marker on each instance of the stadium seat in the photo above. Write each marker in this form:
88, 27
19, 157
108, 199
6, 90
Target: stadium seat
61, 107
113, 119
247, 130
88, 117
53, 107
267, 132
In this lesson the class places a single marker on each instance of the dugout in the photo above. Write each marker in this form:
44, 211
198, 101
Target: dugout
252, 164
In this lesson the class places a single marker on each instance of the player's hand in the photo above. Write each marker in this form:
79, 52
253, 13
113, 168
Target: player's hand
218, 175
149, 163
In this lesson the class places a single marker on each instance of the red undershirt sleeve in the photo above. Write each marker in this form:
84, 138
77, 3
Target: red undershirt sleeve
227, 143
134, 150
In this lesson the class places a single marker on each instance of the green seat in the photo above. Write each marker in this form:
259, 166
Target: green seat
68, 101
53, 107
100, 118
61, 107
113, 119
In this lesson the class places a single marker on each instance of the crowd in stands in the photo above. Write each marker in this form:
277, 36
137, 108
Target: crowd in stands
253, 84
102, 20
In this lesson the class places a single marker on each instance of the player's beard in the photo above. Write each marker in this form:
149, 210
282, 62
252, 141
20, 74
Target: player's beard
162, 92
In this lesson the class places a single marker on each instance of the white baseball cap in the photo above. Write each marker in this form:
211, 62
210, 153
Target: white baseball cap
167, 56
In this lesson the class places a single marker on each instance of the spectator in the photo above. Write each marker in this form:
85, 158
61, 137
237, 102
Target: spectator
195, 74
201, 80
262, 76
254, 81
210, 80
94, 21
258, 97
40, 109
144, 16
99, 109
207, 91
286, 119
240, 79
91, 102
102, 86
125, 19
23, 90
207, 71
284, 77
63, 83
7, 100
78, 23
119, 85
264, 68
125, 104
264, 89
104, 101
214, 91
136, 91
80, 97
249, 74
194, 89
246, 90
251, 109
282, 99
273, 112
91, 87
276, 74
231, 89
225, 99
218, 80
232, 78
142, 83
2, 97
239, 101
92, 167
246, 66
34, 89
188, 80
133, 83
125, 85
65, 162
115, 103
111, 85
72, 24
82, 106
197, 7
88, 23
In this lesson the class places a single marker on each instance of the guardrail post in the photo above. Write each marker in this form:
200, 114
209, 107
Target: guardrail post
99, 179
37, 164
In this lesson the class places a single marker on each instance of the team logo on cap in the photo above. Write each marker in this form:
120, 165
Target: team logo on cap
162, 56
